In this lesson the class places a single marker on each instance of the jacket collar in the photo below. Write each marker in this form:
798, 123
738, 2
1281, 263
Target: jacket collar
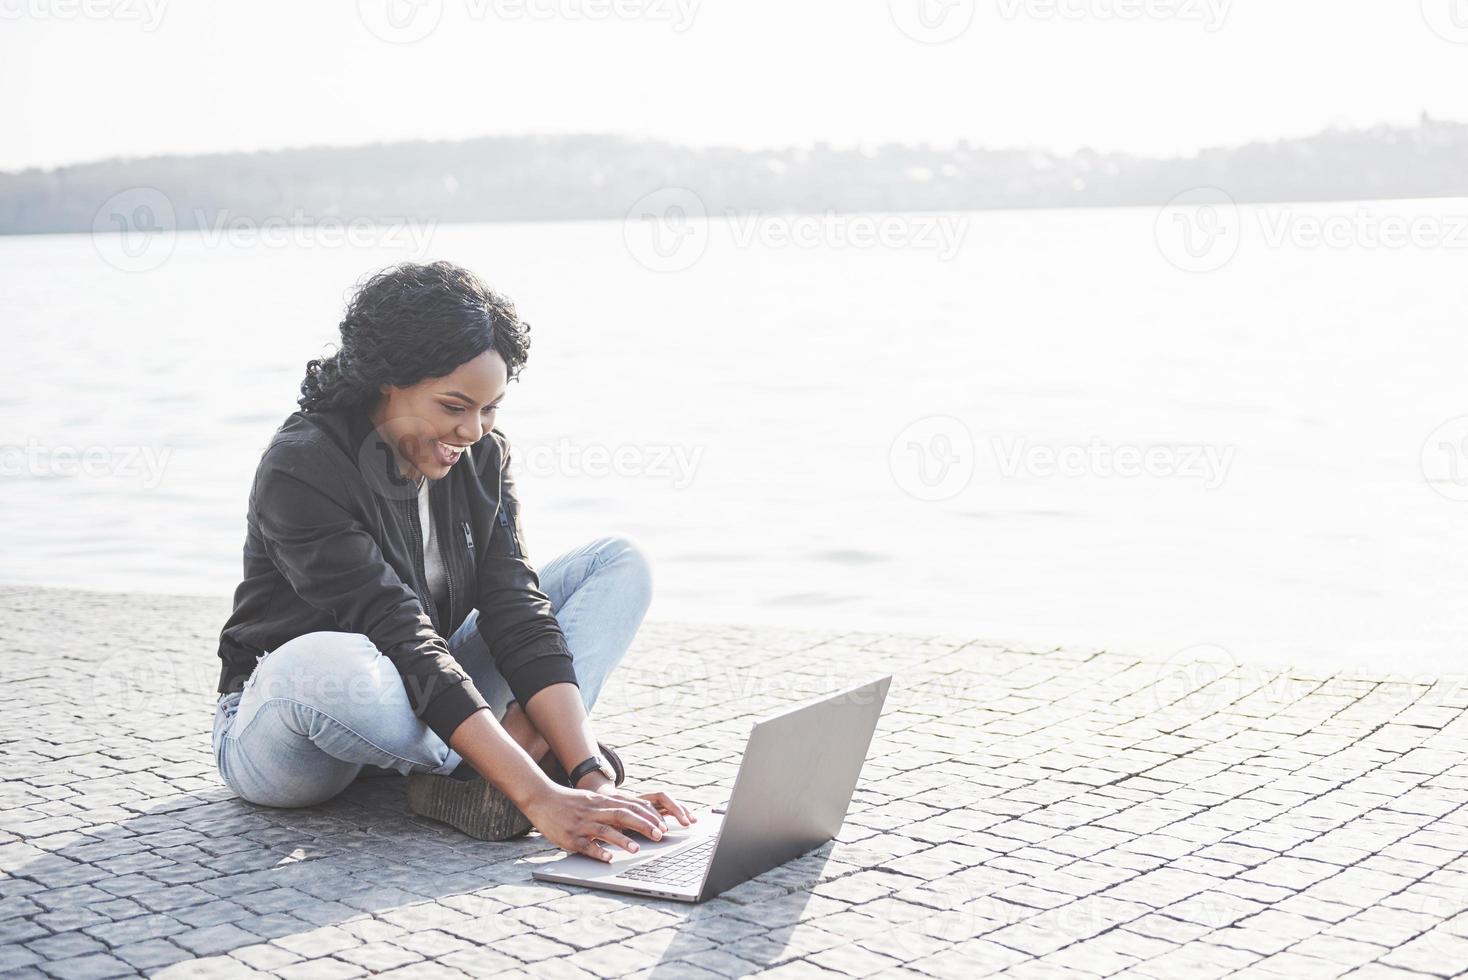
364, 445
357, 424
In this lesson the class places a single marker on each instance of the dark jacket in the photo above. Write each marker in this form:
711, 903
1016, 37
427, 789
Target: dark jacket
334, 542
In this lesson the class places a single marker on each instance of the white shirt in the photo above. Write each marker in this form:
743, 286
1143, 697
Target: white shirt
438, 582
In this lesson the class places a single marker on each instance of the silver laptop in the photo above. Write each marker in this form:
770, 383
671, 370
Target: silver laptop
790, 796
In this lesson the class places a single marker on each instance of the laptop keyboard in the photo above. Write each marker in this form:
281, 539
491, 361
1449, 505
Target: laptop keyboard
683, 868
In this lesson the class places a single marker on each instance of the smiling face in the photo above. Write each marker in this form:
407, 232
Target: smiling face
430, 423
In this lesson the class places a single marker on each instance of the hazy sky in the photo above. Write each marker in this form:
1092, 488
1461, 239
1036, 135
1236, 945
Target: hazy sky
90, 78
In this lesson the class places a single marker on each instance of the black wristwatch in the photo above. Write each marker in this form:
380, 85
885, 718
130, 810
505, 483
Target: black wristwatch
595, 762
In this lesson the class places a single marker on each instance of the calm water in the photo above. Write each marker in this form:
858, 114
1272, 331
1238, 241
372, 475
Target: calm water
762, 400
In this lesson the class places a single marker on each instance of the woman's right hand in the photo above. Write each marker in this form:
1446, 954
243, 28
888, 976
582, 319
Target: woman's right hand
577, 819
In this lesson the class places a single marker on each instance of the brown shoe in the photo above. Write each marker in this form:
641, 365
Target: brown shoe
467, 802
557, 772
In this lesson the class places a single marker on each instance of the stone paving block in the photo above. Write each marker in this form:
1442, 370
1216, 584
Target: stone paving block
425, 971
584, 933
720, 962
481, 961
1433, 952
963, 961
150, 954
1197, 959
325, 968
64, 945
93, 966
210, 967
1161, 887
322, 941
18, 930
378, 956
854, 961
611, 960
908, 944
1342, 952
15, 956
213, 940
264, 956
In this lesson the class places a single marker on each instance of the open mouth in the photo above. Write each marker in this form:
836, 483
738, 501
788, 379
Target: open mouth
448, 455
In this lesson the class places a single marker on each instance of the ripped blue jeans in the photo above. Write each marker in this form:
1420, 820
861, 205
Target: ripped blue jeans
326, 707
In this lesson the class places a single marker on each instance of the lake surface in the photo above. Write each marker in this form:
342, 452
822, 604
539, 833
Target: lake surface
1069, 427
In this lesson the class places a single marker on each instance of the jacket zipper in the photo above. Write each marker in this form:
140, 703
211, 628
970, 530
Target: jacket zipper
504, 517
505, 523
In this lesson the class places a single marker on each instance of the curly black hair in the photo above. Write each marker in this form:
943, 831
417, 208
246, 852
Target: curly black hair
411, 322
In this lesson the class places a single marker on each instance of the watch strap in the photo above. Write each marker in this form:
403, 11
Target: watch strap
593, 763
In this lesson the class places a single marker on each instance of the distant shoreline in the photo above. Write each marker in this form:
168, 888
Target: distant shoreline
195, 230
598, 178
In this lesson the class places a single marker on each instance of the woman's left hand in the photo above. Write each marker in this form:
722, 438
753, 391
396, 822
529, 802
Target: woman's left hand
660, 801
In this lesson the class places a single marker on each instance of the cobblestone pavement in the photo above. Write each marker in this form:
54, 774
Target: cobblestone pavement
1025, 812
